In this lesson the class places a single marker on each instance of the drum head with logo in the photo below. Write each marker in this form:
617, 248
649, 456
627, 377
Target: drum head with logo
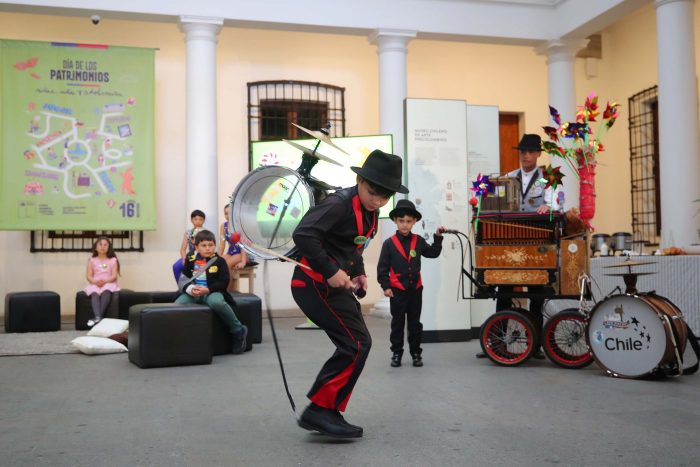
267, 205
626, 336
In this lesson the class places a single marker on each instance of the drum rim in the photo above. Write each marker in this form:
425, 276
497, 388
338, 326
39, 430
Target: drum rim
588, 337
247, 248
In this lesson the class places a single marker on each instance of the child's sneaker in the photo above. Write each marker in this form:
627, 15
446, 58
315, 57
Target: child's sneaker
91, 323
396, 359
239, 340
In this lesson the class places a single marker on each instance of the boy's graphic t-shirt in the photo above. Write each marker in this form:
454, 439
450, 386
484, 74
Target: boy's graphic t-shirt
199, 264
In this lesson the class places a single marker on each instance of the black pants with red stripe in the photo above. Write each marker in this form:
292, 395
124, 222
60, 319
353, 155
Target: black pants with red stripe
338, 313
406, 306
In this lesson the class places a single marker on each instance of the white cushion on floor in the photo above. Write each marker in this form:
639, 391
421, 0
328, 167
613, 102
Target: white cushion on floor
108, 327
95, 345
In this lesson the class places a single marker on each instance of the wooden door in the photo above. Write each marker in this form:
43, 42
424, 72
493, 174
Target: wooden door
509, 135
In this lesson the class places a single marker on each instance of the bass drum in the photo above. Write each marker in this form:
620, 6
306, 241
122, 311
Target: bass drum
266, 207
632, 336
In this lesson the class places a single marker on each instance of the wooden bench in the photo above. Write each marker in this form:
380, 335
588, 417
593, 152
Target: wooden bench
247, 272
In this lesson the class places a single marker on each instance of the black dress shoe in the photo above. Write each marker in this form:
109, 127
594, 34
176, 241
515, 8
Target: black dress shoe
354, 427
480, 355
327, 422
396, 359
417, 360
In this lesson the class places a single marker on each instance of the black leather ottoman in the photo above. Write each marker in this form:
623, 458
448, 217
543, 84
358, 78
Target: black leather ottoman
249, 311
83, 309
129, 298
170, 335
32, 311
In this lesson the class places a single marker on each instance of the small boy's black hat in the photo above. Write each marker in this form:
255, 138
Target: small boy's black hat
404, 208
382, 169
529, 143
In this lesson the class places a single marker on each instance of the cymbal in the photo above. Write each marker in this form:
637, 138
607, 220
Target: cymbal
315, 182
621, 274
319, 135
629, 263
311, 153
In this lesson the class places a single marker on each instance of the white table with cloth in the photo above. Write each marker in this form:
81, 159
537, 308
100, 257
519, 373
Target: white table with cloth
677, 278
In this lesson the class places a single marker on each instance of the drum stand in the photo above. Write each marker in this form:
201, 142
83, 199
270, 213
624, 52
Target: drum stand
629, 277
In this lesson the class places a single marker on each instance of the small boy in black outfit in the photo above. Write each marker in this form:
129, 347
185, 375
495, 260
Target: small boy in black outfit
204, 280
398, 272
330, 238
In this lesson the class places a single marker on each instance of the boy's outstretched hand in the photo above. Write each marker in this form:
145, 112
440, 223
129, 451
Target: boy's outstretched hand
440, 230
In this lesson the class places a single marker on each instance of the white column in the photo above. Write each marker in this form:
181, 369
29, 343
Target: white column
561, 92
201, 186
392, 48
678, 123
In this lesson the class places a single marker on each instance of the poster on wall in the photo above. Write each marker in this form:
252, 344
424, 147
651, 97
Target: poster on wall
436, 175
77, 147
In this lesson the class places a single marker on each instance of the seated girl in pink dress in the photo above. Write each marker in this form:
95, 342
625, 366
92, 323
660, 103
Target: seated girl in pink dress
102, 272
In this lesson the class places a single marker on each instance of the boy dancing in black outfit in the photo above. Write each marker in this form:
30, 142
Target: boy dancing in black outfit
330, 238
398, 272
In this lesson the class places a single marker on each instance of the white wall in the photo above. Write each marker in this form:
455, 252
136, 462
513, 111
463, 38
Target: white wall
511, 77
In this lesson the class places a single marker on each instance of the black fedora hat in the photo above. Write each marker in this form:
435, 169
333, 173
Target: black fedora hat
382, 169
529, 143
404, 207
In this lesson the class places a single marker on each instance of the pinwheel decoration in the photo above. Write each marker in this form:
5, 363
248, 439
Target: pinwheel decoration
576, 143
552, 178
481, 188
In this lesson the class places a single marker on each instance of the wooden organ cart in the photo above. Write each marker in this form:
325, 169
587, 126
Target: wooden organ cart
527, 255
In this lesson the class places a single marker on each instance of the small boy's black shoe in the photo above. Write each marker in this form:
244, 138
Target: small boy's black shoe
396, 359
538, 355
480, 355
327, 422
239, 340
417, 360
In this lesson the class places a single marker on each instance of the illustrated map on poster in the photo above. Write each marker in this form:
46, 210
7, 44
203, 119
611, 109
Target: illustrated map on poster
77, 151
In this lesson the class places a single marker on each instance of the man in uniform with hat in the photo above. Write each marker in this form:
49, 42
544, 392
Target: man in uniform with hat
330, 239
534, 196
398, 273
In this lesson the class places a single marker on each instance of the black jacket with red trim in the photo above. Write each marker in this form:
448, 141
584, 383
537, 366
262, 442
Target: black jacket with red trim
397, 268
325, 235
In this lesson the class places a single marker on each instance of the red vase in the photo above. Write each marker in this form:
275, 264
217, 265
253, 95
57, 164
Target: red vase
587, 191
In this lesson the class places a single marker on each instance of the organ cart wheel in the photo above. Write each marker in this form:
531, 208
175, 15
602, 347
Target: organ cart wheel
536, 331
507, 338
565, 340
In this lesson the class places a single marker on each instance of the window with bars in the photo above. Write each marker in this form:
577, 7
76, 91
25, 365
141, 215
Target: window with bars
62, 241
644, 165
274, 105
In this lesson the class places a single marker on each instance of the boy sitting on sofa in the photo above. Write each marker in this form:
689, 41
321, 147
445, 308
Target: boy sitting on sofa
204, 280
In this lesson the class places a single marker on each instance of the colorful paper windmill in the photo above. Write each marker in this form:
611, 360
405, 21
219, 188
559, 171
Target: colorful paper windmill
481, 188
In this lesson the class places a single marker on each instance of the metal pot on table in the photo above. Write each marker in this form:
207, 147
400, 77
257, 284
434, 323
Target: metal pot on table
600, 243
621, 241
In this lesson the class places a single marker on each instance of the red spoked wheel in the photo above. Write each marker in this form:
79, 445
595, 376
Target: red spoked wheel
565, 340
507, 338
